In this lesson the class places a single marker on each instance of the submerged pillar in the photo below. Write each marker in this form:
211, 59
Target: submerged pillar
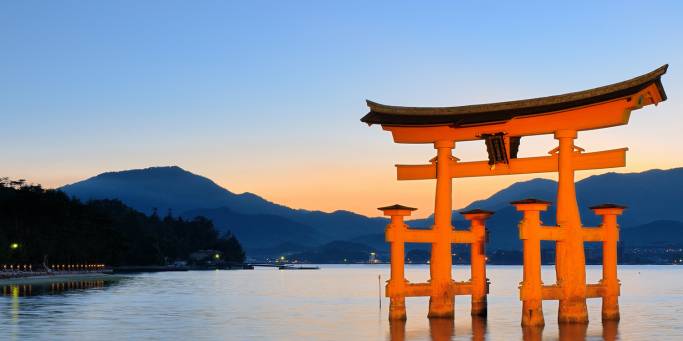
610, 281
441, 300
478, 260
570, 262
478, 328
397, 330
397, 284
441, 329
531, 292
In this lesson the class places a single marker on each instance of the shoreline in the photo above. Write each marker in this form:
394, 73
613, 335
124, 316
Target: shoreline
48, 279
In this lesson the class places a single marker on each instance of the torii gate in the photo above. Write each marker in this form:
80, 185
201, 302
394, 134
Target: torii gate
501, 126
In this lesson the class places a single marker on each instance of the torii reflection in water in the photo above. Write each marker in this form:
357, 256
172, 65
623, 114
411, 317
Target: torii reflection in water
439, 329
444, 329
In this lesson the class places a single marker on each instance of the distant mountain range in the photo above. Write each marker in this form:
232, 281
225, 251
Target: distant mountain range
258, 223
653, 218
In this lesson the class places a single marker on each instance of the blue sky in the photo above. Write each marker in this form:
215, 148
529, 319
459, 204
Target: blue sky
266, 96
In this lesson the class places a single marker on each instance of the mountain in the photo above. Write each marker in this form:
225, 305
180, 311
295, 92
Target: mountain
336, 252
259, 230
662, 233
651, 196
257, 222
168, 188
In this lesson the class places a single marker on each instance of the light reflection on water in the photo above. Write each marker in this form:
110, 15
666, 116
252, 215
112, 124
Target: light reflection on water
21, 290
338, 302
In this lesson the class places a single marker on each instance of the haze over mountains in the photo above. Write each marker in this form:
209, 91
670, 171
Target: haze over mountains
653, 197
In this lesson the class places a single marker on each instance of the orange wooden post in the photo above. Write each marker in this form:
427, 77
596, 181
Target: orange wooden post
532, 333
610, 281
478, 328
441, 329
441, 300
479, 282
397, 330
396, 236
570, 262
531, 287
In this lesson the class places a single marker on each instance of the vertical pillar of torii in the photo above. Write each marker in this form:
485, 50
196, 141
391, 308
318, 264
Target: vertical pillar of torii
570, 258
441, 303
396, 236
531, 288
479, 281
609, 282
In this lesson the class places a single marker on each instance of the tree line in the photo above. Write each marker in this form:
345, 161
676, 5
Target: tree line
38, 224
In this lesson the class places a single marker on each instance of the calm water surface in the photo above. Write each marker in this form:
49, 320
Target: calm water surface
338, 302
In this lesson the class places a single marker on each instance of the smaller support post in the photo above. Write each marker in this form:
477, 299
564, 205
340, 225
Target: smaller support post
477, 220
610, 281
395, 235
531, 286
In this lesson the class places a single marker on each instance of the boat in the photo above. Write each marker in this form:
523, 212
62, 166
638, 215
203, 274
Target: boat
291, 267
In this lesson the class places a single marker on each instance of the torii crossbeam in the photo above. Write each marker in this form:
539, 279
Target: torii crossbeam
501, 126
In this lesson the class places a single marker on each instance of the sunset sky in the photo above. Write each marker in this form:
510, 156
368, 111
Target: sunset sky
266, 96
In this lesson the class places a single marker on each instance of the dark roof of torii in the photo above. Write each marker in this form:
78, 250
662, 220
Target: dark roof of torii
476, 211
397, 207
607, 206
503, 111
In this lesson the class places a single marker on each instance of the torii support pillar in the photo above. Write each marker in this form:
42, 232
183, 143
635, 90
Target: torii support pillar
441, 301
398, 288
609, 282
570, 260
396, 236
479, 281
531, 289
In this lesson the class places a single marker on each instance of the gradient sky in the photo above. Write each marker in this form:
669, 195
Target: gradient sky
266, 96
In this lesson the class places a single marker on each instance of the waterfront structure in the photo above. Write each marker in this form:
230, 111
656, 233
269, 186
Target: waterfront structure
441, 288
501, 126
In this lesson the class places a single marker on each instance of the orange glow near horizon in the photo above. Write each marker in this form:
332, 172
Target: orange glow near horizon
346, 179
329, 191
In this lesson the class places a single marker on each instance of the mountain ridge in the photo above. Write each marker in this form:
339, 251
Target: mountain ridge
651, 195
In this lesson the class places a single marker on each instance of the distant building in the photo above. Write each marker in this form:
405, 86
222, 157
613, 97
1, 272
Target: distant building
373, 258
206, 257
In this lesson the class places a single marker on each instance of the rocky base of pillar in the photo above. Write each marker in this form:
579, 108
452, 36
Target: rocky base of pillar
532, 314
573, 311
479, 307
397, 309
441, 307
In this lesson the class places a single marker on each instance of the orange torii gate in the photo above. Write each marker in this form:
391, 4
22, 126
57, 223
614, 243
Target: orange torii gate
501, 126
